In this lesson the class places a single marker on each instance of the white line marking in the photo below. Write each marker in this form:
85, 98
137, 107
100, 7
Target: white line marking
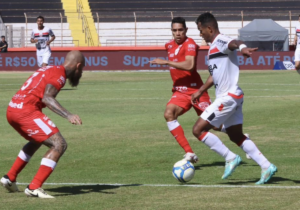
171, 185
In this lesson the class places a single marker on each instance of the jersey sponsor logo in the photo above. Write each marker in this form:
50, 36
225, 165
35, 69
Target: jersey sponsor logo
61, 80
211, 68
19, 97
15, 105
31, 132
191, 47
172, 55
170, 46
221, 42
181, 88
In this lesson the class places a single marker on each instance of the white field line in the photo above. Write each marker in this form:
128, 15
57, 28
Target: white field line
170, 185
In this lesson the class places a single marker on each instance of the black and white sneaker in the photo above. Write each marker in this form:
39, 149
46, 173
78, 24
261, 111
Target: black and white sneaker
39, 193
9, 185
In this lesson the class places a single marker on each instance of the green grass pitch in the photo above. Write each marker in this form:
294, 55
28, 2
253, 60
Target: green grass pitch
124, 139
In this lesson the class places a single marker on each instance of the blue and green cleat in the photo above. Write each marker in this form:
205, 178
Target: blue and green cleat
267, 174
230, 166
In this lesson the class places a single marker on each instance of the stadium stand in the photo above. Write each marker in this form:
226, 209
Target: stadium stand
226, 10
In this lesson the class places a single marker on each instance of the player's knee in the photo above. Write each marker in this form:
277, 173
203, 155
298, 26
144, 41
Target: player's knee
297, 65
169, 115
197, 131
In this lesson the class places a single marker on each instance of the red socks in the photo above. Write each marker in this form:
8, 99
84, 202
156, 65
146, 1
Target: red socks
18, 166
46, 168
178, 133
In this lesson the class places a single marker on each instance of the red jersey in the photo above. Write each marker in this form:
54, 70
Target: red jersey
184, 81
29, 97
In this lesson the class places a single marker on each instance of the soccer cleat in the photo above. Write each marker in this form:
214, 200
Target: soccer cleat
39, 193
9, 185
266, 174
192, 157
248, 136
230, 166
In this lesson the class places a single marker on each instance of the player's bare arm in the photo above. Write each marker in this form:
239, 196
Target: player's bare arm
187, 65
236, 44
208, 84
295, 40
51, 40
34, 40
50, 101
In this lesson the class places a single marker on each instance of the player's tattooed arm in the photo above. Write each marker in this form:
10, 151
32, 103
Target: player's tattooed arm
187, 65
50, 101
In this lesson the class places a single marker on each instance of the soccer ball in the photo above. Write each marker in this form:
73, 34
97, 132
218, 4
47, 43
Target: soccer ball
183, 171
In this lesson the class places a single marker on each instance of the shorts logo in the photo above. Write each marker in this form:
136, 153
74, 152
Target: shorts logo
203, 105
51, 124
31, 132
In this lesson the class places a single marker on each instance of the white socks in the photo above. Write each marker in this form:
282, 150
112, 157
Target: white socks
250, 148
24, 156
48, 162
215, 144
173, 124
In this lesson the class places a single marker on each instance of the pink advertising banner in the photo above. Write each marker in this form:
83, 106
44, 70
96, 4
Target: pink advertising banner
133, 60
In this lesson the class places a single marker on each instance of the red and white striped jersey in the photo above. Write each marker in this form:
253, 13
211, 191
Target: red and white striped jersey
43, 36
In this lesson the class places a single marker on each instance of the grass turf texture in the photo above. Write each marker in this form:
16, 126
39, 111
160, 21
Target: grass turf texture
124, 139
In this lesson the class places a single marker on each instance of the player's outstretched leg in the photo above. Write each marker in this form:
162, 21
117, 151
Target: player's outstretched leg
9, 180
245, 143
200, 131
58, 146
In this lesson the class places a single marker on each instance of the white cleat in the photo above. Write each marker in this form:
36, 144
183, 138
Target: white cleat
9, 185
39, 193
247, 156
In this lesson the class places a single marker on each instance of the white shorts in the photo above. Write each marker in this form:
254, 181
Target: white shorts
297, 54
225, 110
43, 59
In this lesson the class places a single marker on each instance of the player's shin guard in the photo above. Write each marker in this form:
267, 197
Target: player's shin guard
178, 133
251, 149
215, 144
46, 168
18, 165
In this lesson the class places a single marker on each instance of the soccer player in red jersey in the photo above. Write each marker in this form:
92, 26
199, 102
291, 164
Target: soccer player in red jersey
182, 54
24, 114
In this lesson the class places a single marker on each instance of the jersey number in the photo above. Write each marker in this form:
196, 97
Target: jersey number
27, 83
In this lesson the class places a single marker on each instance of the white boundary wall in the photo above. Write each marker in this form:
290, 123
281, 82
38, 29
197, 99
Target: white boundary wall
157, 33
61, 31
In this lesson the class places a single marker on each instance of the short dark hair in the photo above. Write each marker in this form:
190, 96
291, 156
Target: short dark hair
3, 37
180, 20
40, 17
207, 19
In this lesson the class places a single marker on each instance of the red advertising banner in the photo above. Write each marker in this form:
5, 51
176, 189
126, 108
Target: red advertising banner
133, 60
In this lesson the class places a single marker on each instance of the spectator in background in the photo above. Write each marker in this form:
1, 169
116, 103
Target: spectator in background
3, 44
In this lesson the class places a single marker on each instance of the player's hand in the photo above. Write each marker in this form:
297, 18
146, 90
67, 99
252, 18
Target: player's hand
195, 97
74, 119
159, 61
48, 42
247, 52
192, 157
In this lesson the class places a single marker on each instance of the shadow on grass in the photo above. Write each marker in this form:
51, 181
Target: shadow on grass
83, 189
273, 180
218, 164
68, 89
